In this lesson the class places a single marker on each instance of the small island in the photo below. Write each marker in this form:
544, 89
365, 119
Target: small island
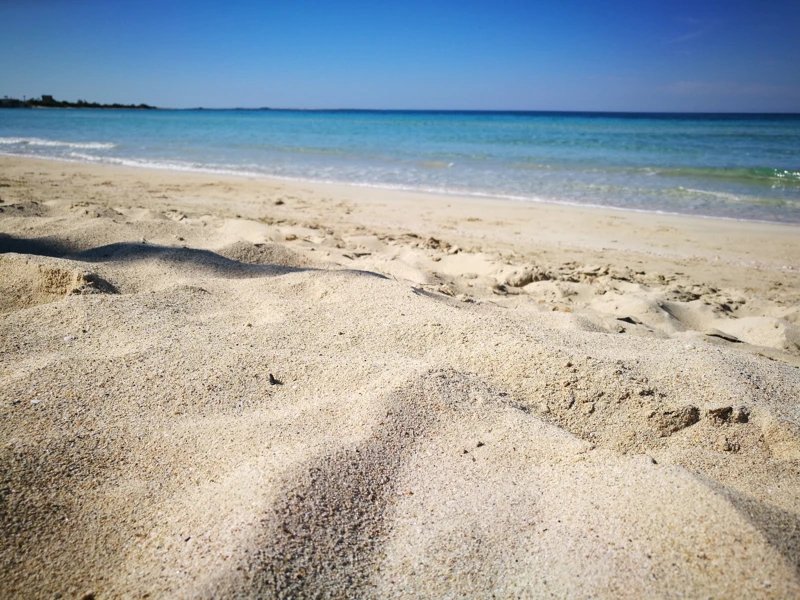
47, 101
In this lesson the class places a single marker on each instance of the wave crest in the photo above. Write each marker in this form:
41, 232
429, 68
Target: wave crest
753, 175
20, 141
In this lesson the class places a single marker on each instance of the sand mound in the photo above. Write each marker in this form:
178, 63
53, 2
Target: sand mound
236, 422
30, 280
765, 331
394, 457
264, 254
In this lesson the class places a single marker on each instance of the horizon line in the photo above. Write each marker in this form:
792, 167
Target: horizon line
437, 110
485, 110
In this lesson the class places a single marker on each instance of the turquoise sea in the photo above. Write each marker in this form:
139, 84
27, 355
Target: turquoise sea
734, 166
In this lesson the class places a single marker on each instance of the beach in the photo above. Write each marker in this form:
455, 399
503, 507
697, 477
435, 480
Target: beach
218, 385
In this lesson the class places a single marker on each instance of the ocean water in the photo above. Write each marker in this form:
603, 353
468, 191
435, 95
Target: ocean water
733, 166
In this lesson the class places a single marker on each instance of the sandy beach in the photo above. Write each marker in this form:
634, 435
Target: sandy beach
217, 386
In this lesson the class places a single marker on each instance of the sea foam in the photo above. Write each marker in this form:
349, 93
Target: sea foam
20, 141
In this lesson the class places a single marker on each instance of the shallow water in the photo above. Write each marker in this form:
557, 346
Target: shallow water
735, 166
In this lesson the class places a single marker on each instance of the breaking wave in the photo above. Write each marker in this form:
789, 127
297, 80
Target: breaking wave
19, 141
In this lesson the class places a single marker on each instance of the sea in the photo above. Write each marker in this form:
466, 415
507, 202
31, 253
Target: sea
735, 166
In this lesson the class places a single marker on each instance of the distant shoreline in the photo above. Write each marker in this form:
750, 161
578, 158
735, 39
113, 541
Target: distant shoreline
47, 101
94, 108
13, 103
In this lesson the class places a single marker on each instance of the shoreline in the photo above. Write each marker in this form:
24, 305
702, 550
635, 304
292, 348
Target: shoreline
277, 179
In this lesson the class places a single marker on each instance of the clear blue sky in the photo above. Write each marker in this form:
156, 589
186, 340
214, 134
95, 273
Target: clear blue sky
639, 55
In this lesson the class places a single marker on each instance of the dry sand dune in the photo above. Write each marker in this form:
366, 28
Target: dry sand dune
601, 410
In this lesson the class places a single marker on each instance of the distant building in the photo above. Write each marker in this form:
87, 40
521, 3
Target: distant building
46, 98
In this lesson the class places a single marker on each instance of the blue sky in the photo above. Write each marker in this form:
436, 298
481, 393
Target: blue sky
472, 54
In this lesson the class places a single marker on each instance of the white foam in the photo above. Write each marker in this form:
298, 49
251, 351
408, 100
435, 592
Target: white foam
236, 170
727, 196
163, 165
19, 141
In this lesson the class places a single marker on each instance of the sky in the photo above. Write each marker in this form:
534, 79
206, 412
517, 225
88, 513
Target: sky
613, 55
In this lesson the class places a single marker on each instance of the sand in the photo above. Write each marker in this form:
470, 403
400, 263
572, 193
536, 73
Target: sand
472, 398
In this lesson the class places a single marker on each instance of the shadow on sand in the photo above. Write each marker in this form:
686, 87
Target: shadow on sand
126, 252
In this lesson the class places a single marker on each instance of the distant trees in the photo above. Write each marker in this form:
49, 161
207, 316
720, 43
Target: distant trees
47, 101
7, 102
